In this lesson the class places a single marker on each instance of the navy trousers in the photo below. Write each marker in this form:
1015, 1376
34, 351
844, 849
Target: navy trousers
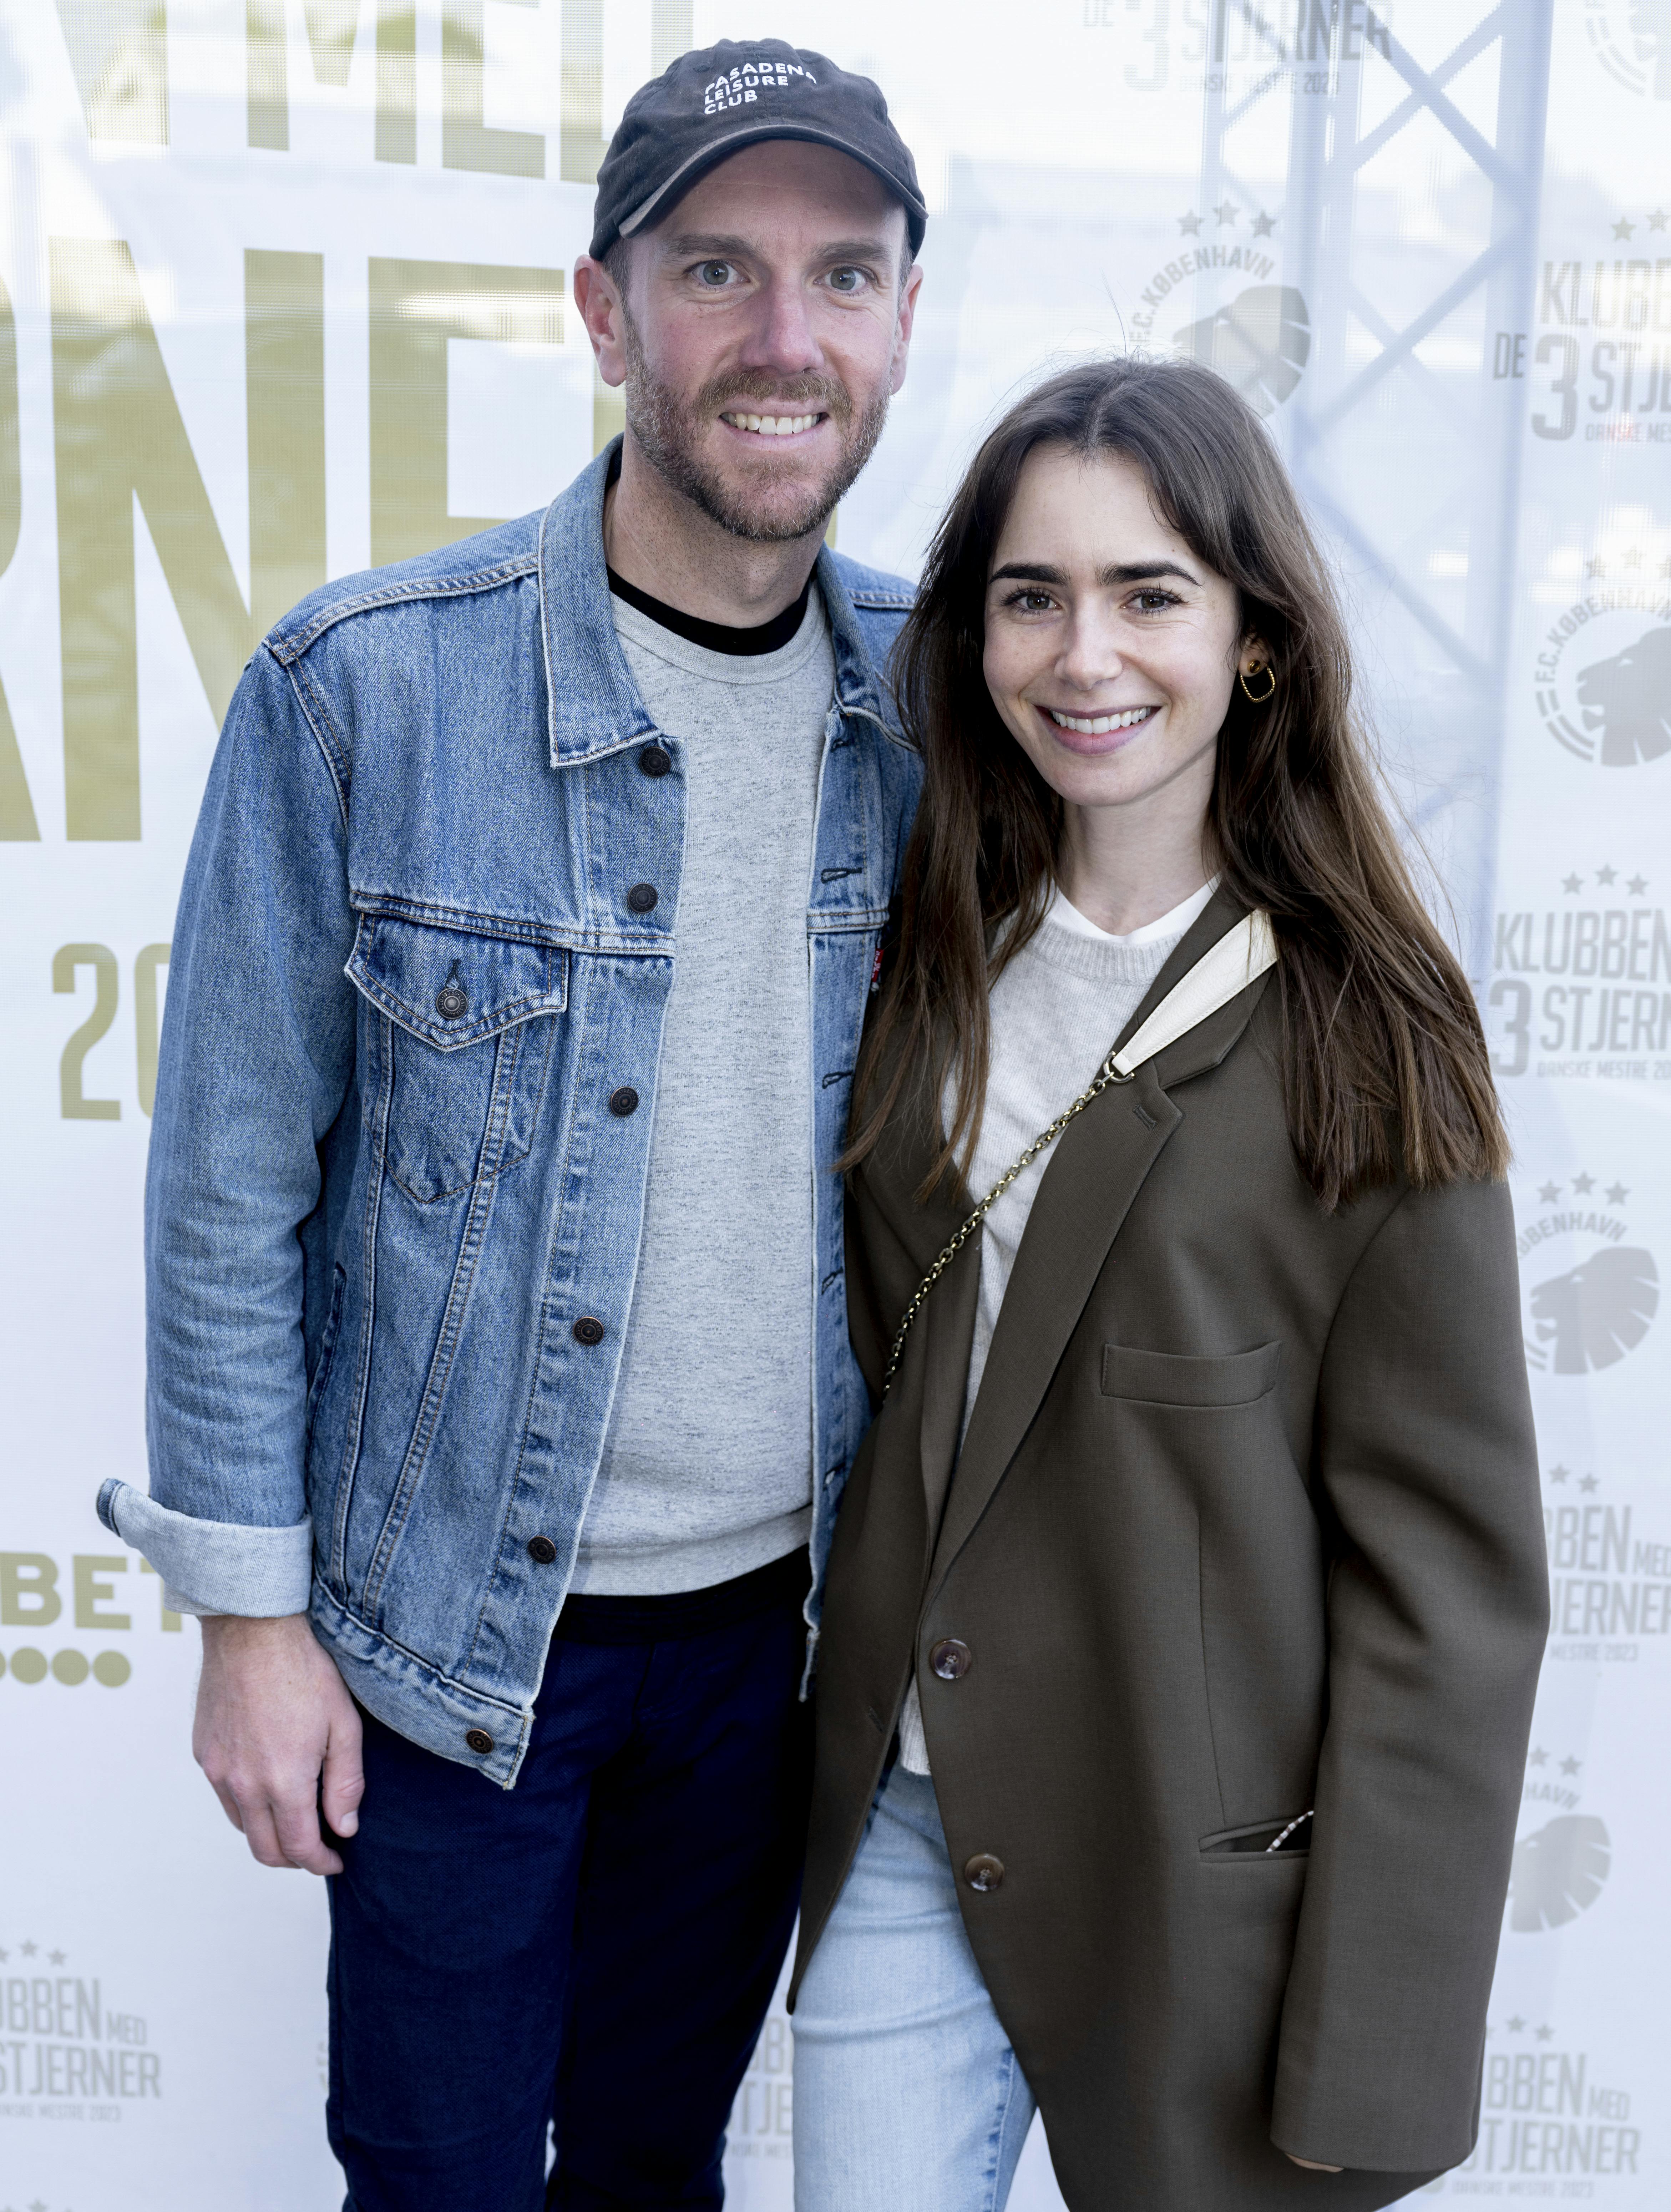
594, 1951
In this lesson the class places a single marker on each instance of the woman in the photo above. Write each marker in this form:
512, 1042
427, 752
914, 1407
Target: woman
1187, 1603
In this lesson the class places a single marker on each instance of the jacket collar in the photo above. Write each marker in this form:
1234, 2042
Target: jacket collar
593, 705
1103, 1160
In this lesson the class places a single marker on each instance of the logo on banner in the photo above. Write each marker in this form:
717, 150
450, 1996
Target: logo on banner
1604, 674
1590, 1313
1544, 2113
64, 2053
1609, 1582
1558, 1869
1256, 335
1631, 39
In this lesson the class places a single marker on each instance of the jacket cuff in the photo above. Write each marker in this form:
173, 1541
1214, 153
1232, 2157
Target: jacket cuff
214, 1566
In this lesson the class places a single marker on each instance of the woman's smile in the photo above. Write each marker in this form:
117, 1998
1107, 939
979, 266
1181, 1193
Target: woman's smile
1117, 723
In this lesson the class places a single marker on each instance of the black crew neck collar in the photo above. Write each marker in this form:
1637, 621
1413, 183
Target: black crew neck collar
716, 637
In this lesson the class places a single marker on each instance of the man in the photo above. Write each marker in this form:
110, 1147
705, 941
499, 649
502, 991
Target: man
494, 1256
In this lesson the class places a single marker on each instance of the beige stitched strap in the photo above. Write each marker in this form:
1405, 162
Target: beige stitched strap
1240, 957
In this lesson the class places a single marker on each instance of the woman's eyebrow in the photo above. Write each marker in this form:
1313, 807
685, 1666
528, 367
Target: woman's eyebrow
1125, 572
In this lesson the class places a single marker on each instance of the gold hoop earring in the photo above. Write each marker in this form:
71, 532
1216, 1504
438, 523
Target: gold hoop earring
1259, 698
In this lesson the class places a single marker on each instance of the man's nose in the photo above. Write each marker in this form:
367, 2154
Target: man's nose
781, 337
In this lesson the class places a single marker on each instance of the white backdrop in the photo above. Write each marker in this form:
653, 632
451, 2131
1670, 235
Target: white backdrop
285, 292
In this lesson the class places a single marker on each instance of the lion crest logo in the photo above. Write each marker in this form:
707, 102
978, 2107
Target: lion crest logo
1595, 1313
1558, 1871
1626, 699
1260, 342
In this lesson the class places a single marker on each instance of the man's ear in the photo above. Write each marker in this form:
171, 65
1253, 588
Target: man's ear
604, 311
907, 310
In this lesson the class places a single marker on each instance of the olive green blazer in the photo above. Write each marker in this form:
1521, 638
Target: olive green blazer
1246, 1525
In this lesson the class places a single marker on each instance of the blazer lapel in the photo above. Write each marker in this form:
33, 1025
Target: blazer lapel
1101, 1161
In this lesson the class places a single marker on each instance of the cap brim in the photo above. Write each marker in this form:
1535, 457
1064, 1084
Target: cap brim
667, 194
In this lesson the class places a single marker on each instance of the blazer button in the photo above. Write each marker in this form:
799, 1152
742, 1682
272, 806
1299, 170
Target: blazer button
482, 1743
588, 1330
952, 1660
641, 897
655, 760
542, 1550
983, 1871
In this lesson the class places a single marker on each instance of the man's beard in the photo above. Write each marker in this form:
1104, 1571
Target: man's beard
670, 431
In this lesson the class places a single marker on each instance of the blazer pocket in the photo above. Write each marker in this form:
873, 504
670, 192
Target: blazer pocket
1174, 1378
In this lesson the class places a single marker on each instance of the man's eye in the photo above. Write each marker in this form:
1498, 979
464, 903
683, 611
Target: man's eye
847, 280
714, 273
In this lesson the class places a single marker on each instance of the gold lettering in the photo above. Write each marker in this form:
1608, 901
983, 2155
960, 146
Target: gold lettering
582, 88
671, 32
95, 1590
147, 1025
29, 1590
331, 26
467, 142
417, 306
17, 814
119, 433
118, 53
101, 960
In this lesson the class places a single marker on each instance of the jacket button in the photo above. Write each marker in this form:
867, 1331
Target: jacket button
482, 1743
542, 1550
983, 1871
624, 1101
952, 1660
641, 897
588, 1330
655, 760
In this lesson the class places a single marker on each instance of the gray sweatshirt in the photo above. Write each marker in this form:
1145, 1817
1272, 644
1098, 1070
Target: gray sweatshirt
707, 1469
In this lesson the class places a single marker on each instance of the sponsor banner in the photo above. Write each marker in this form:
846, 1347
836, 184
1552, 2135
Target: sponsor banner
286, 291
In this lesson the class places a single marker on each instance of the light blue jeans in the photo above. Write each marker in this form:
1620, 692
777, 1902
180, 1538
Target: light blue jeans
907, 2095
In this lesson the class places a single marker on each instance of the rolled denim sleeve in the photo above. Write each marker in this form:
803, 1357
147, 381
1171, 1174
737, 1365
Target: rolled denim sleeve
255, 1060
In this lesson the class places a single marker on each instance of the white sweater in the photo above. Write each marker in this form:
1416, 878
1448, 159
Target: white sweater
1055, 1010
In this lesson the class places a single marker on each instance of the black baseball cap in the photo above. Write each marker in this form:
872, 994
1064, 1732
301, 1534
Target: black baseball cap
707, 107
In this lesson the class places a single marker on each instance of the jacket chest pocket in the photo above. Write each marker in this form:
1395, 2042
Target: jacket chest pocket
464, 1038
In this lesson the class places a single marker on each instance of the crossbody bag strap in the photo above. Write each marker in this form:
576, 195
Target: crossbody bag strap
1240, 957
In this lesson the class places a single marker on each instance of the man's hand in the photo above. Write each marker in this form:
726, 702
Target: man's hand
1311, 2165
273, 1716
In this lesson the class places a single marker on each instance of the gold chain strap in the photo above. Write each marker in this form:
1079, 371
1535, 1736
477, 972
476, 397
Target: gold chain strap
1106, 1074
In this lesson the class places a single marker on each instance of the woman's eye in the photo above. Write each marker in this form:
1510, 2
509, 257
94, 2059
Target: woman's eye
1033, 603
1152, 601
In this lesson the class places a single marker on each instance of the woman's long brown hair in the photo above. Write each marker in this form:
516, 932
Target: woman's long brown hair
1383, 1062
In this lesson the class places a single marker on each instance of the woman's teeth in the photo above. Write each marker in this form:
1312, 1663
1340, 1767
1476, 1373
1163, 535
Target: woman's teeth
1098, 726
772, 426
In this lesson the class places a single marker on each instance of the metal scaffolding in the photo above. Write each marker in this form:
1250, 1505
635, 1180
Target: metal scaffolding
1435, 566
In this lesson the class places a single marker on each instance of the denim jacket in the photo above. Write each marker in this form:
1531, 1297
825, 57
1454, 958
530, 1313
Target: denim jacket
392, 1224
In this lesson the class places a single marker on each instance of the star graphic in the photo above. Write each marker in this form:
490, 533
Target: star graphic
1516, 2026
37, 2206
1595, 567
1588, 1483
28, 1949
1263, 225
1190, 225
1226, 212
1606, 875
1623, 228
1545, 2034
4, 1955
1583, 1184
1570, 883
1557, 1475
1537, 1756
1617, 1194
1637, 885
1633, 558
1548, 1193
1656, 219
1570, 1765
55, 1958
